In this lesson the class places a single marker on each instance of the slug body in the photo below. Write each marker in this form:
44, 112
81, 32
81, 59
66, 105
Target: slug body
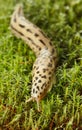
45, 63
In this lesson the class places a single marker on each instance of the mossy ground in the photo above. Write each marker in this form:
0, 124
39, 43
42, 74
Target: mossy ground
61, 20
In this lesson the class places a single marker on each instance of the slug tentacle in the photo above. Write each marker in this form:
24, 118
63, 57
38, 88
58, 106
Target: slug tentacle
45, 63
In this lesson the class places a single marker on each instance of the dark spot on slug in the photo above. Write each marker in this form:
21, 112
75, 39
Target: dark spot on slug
37, 72
29, 39
33, 90
36, 78
37, 87
55, 57
39, 49
17, 31
49, 78
36, 91
28, 30
43, 85
50, 43
34, 67
40, 93
42, 33
42, 41
50, 73
37, 68
22, 26
44, 70
52, 50
32, 42
38, 96
49, 65
39, 81
21, 33
36, 35
35, 84
48, 82
44, 76
51, 61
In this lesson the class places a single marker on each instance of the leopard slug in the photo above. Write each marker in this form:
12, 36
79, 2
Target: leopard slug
46, 56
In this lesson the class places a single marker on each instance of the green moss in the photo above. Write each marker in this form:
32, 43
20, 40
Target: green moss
62, 107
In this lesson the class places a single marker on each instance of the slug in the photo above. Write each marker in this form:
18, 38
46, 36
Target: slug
46, 55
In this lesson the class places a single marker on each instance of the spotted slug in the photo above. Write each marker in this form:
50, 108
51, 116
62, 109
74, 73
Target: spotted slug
46, 55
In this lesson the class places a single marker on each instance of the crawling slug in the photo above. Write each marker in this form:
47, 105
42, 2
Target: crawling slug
46, 56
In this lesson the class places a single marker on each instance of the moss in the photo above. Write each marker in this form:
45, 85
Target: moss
62, 107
